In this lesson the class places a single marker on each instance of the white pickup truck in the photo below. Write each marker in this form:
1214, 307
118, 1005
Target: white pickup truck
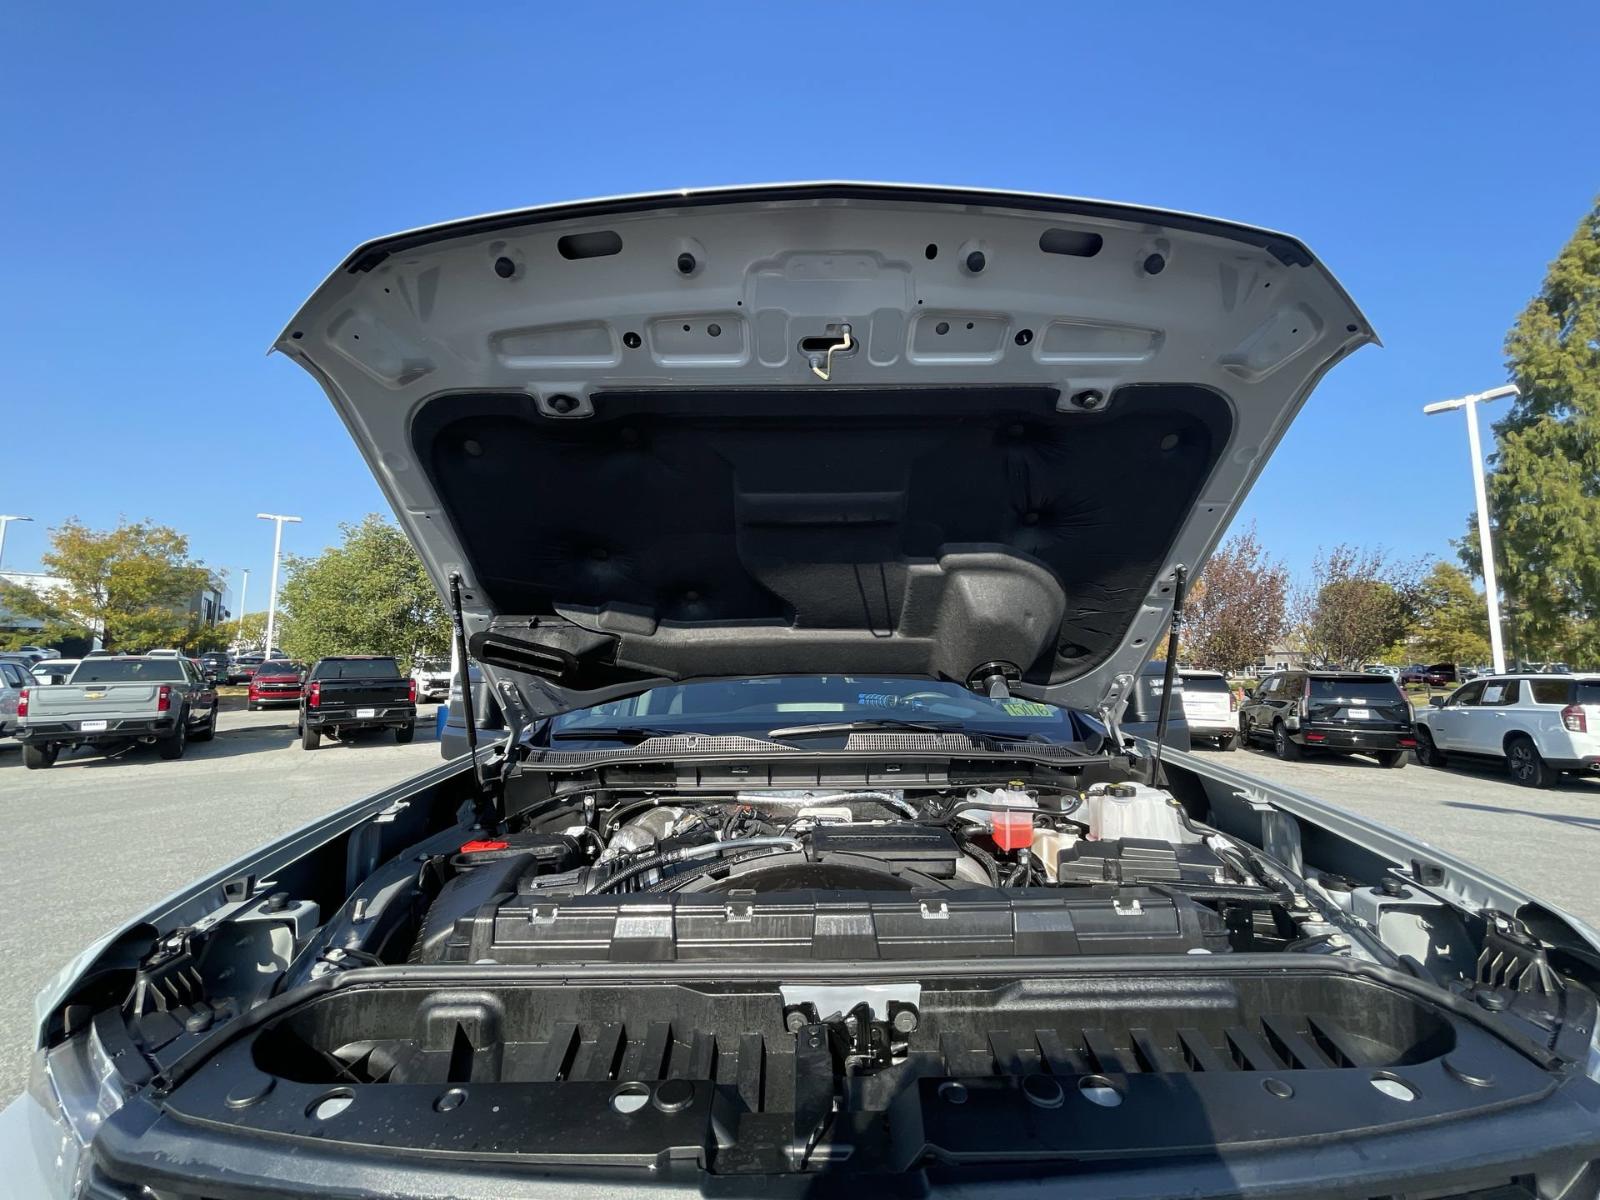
118, 699
432, 676
1538, 725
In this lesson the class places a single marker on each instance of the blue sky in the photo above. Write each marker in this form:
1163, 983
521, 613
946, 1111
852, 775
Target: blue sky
177, 179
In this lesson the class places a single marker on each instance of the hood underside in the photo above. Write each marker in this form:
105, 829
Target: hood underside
835, 428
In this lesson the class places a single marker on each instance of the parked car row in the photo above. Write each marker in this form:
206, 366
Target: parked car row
168, 700
1538, 725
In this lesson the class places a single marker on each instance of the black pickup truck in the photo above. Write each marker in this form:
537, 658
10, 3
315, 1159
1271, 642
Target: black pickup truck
356, 692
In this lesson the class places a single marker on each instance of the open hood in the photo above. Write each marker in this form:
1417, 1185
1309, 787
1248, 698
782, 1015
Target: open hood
833, 427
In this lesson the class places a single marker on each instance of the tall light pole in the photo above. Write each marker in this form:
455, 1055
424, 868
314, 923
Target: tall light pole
272, 598
244, 590
1485, 542
4, 521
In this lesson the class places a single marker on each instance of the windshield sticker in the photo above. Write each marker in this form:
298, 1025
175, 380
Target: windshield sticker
1027, 708
877, 700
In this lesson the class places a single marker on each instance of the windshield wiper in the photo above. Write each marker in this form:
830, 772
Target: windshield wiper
620, 733
870, 725
634, 734
904, 725
1007, 735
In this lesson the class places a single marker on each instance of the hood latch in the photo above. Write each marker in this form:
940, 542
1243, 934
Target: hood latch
820, 351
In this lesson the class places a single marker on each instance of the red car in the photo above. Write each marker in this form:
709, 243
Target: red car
276, 681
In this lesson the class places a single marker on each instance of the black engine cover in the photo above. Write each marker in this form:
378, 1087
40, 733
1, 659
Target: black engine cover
738, 926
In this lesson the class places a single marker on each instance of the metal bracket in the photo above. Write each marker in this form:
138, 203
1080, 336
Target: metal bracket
1280, 831
830, 998
1113, 704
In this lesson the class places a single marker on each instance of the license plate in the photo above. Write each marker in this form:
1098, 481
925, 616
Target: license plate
363, 713
93, 726
1358, 714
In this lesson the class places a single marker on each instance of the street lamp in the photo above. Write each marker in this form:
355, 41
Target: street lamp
1485, 543
272, 598
4, 521
244, 590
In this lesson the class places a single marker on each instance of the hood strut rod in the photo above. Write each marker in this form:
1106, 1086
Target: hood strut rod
482, 805
1180, 575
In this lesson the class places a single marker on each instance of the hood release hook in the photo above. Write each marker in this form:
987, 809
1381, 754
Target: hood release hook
822, 363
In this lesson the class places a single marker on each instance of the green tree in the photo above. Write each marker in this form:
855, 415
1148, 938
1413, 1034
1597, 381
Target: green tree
130, 585
250, 632
368, 595
1454, 626
1236, 607
1544, 489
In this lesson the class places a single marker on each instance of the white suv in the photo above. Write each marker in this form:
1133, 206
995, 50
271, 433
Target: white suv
1540, 725
1210, 708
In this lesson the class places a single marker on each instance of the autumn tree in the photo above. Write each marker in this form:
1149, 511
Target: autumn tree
1544, 489
368, 595
1236, 606
1358, 603
131, 586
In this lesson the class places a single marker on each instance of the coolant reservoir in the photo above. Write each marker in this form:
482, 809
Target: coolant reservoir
1133, 810
1011, 830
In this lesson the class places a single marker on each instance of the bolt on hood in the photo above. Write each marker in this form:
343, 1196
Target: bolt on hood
842, 428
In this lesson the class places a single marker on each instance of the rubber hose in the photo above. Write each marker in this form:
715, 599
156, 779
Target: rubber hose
703, 850
685, 877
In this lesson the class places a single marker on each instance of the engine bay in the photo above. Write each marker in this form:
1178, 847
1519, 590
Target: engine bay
774, 981
853, 875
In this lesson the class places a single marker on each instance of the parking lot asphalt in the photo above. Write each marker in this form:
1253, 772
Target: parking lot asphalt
93, 841
1544, 840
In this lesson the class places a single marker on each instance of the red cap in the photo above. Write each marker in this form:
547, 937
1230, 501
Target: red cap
476, 847
1013, 830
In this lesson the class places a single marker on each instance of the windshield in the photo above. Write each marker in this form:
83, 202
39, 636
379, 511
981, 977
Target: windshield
279, 667
1588, 692
129, 670
356, 668
1205, 683
1381, 690
758, 705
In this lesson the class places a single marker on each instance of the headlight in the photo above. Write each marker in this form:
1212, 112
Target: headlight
72, 1087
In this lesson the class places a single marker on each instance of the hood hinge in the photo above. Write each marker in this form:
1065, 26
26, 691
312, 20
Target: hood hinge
1112, 705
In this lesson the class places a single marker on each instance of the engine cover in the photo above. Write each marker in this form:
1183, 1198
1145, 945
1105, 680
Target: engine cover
843, 926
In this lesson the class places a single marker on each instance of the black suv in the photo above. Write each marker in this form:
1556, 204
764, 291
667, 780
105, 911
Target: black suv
216, 667
1341, 711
